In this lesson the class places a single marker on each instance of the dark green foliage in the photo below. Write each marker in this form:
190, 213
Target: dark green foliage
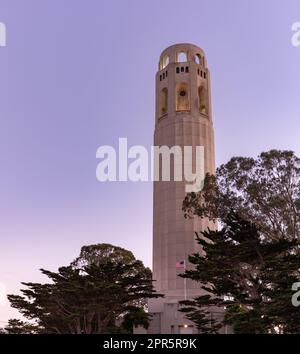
201, 312
254, 259
265, 191
255, 273
135, 316
16, 326
92, 295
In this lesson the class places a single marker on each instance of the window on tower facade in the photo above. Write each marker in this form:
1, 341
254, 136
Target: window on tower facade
182, 97
181, 57
198, 59
163, 102
202, 97
164, 62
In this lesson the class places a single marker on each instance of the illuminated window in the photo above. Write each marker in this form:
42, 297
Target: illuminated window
164, 62
198, 59
182, 97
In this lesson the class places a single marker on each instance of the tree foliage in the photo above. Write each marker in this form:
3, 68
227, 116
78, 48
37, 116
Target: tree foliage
247, 273
16, 326
92, 295
253, 259
265, 191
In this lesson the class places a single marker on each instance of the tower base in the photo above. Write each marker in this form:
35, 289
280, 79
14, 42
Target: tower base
167, 319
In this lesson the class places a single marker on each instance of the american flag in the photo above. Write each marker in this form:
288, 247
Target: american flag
180, 264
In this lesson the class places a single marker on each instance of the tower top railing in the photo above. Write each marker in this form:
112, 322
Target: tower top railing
180, 53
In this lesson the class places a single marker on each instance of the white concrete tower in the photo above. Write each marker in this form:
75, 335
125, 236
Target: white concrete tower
183, 118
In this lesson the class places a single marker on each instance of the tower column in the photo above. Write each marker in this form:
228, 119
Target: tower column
183, 118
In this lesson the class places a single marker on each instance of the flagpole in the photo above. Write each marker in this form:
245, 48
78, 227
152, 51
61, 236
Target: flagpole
184, 282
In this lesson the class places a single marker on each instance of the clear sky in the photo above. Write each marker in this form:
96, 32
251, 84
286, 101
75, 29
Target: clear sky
77, 74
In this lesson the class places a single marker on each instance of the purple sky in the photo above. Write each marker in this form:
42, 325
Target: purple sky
77, 74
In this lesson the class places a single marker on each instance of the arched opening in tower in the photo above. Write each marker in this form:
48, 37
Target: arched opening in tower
164, 62
163, 102
181, 57
202, 100
182, 97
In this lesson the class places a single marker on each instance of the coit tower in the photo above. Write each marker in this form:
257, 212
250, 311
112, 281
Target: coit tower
183, 118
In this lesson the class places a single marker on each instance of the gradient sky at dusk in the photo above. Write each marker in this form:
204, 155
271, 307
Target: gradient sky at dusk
77, 74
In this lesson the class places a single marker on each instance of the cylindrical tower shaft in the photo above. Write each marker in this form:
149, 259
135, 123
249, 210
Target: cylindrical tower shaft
183, 118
